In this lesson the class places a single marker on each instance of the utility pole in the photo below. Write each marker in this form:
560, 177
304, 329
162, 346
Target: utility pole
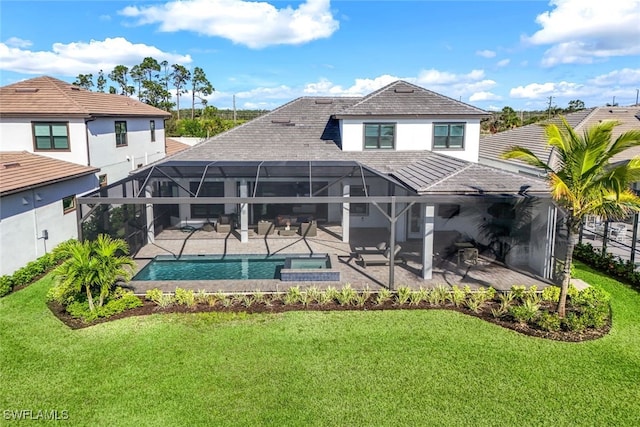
637, 92
234, 109
550, 99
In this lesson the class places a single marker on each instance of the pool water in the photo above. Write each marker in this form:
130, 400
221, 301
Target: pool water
306, 263
217, 267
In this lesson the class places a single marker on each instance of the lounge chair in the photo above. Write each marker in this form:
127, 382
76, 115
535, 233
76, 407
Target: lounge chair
381, 258
223, 225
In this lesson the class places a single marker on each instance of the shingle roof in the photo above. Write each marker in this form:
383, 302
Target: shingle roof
304, 130
47, 96
532, 136
405, 99
20, 170
433, 175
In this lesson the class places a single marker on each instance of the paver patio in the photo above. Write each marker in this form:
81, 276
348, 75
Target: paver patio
446, 271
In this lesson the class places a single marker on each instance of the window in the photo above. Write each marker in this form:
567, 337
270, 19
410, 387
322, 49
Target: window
69, 204
359, 209
51, 136
102, 180
209, 189
379, 135
448, 135
152, 128
121, 134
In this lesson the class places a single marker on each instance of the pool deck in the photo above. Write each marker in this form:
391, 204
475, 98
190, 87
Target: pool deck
446, 272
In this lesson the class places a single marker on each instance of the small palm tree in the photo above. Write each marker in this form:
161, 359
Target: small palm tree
93, 266
78, 272
584, 182
114, 263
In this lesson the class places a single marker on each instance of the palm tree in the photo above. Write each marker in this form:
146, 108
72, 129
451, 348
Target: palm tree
78, 272
583, 181
93, 266
113, 263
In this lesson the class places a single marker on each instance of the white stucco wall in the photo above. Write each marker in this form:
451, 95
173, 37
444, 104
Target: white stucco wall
414, 135
16, 135
25, 215
117, 162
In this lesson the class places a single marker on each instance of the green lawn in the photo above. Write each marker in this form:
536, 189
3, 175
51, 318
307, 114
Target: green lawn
316, 368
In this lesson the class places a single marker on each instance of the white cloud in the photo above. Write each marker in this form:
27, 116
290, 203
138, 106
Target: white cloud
82, 57
583, 31
626, 76
484, 96
18, 42
503, 62
493, 108
486, 53
541, 90
254, 24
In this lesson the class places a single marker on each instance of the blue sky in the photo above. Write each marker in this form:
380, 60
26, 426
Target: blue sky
490, 54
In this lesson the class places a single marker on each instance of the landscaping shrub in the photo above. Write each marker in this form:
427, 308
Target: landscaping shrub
32, 270
608, 263
549, 321
120, 301
526, 312
185, 297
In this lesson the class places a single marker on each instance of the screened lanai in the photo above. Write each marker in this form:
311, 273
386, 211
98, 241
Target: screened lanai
346, 196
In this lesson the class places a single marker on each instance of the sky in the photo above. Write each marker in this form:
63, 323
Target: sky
490, 54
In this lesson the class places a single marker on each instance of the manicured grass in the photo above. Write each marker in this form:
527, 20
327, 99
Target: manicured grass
317, 368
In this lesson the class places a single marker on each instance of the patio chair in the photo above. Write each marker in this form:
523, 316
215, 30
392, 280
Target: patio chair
372, 258
223, 225
619, 233
468, 255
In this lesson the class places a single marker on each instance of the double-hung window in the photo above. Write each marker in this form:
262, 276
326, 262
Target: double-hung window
50, 135
121, 134
448, 135
379, 136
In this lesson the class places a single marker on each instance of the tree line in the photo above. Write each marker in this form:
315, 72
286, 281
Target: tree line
151, 81
508, 118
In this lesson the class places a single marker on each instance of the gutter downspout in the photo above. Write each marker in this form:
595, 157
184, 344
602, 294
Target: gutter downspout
86, 130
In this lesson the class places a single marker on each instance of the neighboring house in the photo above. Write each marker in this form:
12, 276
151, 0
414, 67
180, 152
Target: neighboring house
173, 146
402, 158
38, 199
56, 119
533, 137
77, 130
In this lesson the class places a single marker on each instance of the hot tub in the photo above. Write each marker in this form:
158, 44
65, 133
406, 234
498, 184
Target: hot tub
314, 268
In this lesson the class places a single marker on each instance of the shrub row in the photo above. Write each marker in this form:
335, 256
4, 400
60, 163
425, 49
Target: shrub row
588, 308
30, 272
607, 263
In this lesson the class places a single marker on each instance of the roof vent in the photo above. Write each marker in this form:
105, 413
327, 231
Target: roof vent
403, 90
75, 88
10, 165
26, 89
281, 121
324, 101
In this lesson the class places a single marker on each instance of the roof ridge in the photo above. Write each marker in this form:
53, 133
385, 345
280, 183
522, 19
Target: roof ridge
52, 81
378, 92
586, 118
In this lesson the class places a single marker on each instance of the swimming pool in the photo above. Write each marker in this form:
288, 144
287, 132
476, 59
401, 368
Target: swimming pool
218, 267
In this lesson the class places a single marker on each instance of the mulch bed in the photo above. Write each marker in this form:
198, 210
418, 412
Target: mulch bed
149, 307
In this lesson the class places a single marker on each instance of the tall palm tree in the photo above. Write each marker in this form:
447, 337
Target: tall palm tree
583, 181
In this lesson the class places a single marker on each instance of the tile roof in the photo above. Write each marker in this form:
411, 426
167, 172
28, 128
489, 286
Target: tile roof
304, 130
172, 146
47, 96
21, 170
532, 136
405, 99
